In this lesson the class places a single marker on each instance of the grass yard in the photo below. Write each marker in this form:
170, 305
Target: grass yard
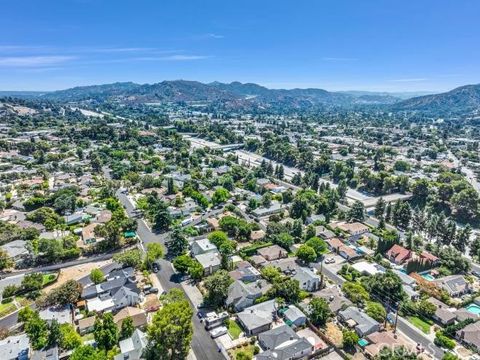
246, 349
22, 301
48, 279
421, 324
88, 337
7, 308
234, 329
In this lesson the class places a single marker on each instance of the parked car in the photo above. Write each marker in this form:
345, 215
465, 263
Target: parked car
155, 267
330, 260
222, 330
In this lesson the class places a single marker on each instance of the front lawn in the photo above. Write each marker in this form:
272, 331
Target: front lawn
6, 309
248, 350
234, 329
420, 323
48, 279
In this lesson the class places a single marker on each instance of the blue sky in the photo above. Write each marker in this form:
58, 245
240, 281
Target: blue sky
390, 45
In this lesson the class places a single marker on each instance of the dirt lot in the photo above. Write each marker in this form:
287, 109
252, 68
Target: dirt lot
76, 272
334, 334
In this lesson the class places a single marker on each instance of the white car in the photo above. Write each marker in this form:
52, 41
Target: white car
219, 331
330, 260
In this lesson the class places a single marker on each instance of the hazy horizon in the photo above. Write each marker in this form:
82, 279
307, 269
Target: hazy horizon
341, 45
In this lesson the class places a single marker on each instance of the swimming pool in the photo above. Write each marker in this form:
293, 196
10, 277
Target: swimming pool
362, 342
474, 309
427, 277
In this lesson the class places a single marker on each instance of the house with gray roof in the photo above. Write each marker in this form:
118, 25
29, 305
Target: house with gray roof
282, 343
455, 285
274, 208
245, 272
62, 314
360, 321
334, 297
117, 291
470, 335
74, 219
16, 250
133, 347
202, 246
258, 318
210, 262
307, 279
15, 348
241, 295
294, 316
443, 315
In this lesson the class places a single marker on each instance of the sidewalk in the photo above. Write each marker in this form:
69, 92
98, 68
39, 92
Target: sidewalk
193, 293
156, 283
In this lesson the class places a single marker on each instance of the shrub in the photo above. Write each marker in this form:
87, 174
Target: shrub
444, 341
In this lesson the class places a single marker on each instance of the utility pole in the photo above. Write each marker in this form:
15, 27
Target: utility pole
396, 320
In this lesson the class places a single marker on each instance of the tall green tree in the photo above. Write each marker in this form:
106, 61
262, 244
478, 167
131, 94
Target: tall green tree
178, 243
319, 311
356, 212
105, 332
217, 288
127, 328
170, 333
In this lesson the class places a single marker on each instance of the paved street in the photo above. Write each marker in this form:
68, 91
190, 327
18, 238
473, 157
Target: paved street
415, 334
62, 265
203, 346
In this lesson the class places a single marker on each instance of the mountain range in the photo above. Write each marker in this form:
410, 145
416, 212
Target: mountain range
247, 96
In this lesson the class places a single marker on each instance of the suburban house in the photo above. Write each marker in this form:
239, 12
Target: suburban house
335, 299
74, 219
138, 316
349, 253
378, 340
294, 316
117, 291
470, 335
282, 343
202, 246
15, 348
274, 208
85, 325
133, 347
245, 272
62, 314
334, 244
443, 315
210, 262
308, 280
272, 252
88, 234
324, 233
398, 254
241, 295
258, 318
354, 229
366, 268
358, 320
432, 259
16, 250
455, 285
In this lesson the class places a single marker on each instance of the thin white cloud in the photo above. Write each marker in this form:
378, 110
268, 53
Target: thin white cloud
215, 36
409, 80
33, 61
